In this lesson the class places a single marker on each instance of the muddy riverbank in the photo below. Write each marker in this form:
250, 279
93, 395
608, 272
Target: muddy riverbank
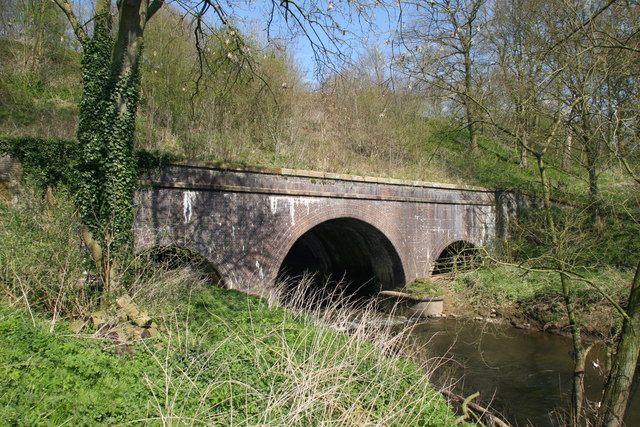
543, 312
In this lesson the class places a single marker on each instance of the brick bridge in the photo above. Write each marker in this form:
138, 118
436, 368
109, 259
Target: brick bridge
256, 226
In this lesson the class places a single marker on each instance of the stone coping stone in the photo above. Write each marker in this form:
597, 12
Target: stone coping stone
195, 178
329, 175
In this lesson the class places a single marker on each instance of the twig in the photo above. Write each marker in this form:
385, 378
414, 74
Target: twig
26, 300
474, 407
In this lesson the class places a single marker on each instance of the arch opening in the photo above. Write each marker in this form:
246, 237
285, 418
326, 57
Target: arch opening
457, 256
175, 257
341, 258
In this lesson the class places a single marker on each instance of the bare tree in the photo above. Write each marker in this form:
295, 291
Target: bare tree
111, 57
560, 82
520, 66
439, 46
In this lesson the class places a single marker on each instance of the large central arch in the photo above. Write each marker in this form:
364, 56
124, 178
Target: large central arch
344, 252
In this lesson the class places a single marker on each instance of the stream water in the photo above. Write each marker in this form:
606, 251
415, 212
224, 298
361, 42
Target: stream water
523, 375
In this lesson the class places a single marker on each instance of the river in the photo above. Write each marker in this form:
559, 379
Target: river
524, 375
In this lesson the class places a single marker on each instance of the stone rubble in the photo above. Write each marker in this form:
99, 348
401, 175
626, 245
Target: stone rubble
126, 324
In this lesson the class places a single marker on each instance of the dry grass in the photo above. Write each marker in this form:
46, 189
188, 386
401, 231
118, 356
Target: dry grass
306, 372
41, 262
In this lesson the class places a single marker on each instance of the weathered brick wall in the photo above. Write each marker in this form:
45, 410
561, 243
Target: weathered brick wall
245, 222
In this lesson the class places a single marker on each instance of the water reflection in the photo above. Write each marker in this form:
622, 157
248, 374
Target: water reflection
526, 376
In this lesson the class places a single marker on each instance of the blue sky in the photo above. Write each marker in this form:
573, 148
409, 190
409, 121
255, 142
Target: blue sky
252, 16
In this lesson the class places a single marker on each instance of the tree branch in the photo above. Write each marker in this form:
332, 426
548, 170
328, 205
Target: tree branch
154, 6
66, 8
570, 274
582, 25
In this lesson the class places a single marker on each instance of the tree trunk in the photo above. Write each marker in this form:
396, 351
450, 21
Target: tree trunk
468, 101
524, 155
616, 392
121, 177
522, 136
579, 353
107, 123
107, 168
473, 132
594, 201
592, 154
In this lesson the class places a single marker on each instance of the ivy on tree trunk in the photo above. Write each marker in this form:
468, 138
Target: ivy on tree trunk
107, 168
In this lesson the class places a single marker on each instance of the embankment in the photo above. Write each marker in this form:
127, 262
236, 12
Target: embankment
222, 358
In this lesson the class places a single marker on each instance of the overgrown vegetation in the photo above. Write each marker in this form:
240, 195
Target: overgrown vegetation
424, 288
534, 298
511, 101
41, 261
352, 124
223, 358
44, 161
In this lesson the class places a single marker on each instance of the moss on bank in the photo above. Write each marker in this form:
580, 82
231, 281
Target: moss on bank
223, 358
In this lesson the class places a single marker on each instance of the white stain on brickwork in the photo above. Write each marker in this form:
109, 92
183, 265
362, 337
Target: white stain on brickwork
187, 209
290, 203
260, 272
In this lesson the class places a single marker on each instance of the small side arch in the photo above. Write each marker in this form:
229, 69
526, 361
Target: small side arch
459, 255
172, 257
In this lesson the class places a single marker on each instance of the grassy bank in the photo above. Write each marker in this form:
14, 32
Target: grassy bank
222, 358
534, 300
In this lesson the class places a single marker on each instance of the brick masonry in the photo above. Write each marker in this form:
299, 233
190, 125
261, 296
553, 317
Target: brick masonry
245, 222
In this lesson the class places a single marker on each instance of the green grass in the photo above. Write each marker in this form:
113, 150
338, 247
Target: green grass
496, 165
535, 297
50, 379
496, 284
499, 284
424, 288
223, 358
611, 244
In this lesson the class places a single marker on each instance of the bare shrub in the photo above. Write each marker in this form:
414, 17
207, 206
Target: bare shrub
160, 288
41, 261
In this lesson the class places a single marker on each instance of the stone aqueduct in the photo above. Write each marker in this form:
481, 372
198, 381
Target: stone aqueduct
255, 225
